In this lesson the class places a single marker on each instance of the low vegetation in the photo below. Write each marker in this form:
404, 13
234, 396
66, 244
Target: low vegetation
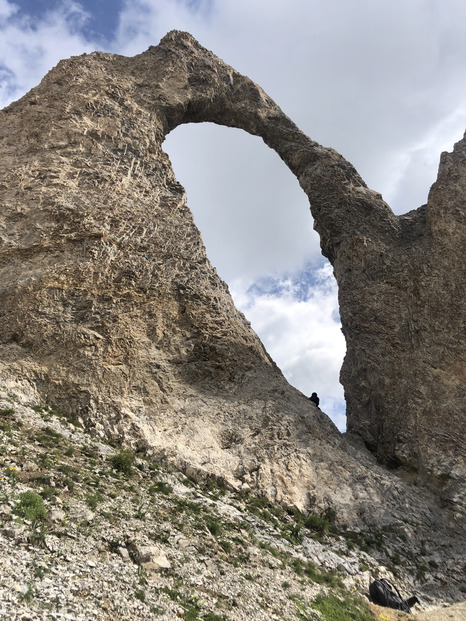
66, 486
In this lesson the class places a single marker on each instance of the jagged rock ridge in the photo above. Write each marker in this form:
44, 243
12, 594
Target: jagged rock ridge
111, 311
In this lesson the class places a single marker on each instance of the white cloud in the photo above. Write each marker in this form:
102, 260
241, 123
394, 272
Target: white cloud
297, 319
254, 217
145, 22
31, 47
411, 175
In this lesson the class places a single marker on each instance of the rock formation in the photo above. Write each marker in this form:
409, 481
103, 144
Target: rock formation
111, 312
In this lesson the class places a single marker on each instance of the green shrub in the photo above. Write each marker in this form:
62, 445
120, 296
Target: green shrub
31, 507
317, 524
213, 526
292, 533
123, 462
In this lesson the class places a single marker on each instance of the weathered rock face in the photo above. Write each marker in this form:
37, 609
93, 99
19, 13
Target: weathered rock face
111, 311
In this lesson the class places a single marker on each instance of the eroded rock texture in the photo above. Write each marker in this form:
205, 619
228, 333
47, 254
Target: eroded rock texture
111, 311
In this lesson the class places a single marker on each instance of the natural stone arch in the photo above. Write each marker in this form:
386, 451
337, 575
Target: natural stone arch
257, 228
400, 289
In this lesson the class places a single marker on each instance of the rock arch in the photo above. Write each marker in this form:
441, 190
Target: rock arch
89, 143
400, 289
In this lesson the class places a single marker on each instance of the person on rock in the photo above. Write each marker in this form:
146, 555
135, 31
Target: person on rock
315, 399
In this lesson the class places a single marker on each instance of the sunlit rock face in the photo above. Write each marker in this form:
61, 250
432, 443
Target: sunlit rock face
111, 311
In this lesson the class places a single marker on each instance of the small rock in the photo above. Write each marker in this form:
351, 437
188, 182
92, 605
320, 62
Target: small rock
123, 552
154, 567
57, 515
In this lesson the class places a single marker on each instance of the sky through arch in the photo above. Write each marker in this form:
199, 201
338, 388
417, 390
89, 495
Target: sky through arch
258, 230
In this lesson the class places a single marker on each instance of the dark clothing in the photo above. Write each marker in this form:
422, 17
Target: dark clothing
314, 398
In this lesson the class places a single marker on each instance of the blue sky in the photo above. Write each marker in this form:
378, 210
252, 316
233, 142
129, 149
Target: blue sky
100, 21
383, 82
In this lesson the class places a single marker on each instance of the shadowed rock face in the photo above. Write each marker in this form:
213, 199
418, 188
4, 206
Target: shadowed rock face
111, 311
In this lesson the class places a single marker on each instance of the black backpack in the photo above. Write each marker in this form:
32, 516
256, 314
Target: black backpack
384, 593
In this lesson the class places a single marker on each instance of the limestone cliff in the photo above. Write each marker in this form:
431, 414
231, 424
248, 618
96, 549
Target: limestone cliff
111, 311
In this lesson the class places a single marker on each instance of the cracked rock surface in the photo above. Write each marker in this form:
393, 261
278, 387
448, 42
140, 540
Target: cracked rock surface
112, 314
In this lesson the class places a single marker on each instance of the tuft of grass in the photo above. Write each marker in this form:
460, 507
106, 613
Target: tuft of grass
123, 462
37, 536
140, 594
213, 526
190, 604
93, 452
292, 533
28, 596
226, 546
40, 571
31, 507
47, 492
66, 469
49, 438
160, 487
6, 418
320, 576
12, 474
317, 524
93, 500
7, 412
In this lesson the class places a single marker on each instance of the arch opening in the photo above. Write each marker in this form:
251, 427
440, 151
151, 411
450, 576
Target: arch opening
258, 231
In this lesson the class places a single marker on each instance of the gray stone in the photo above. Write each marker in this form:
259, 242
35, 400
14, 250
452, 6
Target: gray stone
112, 313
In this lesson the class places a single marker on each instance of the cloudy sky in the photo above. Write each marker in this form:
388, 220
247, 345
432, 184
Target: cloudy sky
381, 81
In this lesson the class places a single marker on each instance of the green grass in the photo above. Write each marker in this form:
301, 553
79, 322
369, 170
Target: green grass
213, 525
292, 533
31, 507
317, 524
6, 418
160, 487
315, 574
189, 603
123, 462
7, 412
92, 500
47, 492
342, 608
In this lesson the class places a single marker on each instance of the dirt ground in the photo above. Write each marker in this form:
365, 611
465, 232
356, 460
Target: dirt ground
457, 612
450, 613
